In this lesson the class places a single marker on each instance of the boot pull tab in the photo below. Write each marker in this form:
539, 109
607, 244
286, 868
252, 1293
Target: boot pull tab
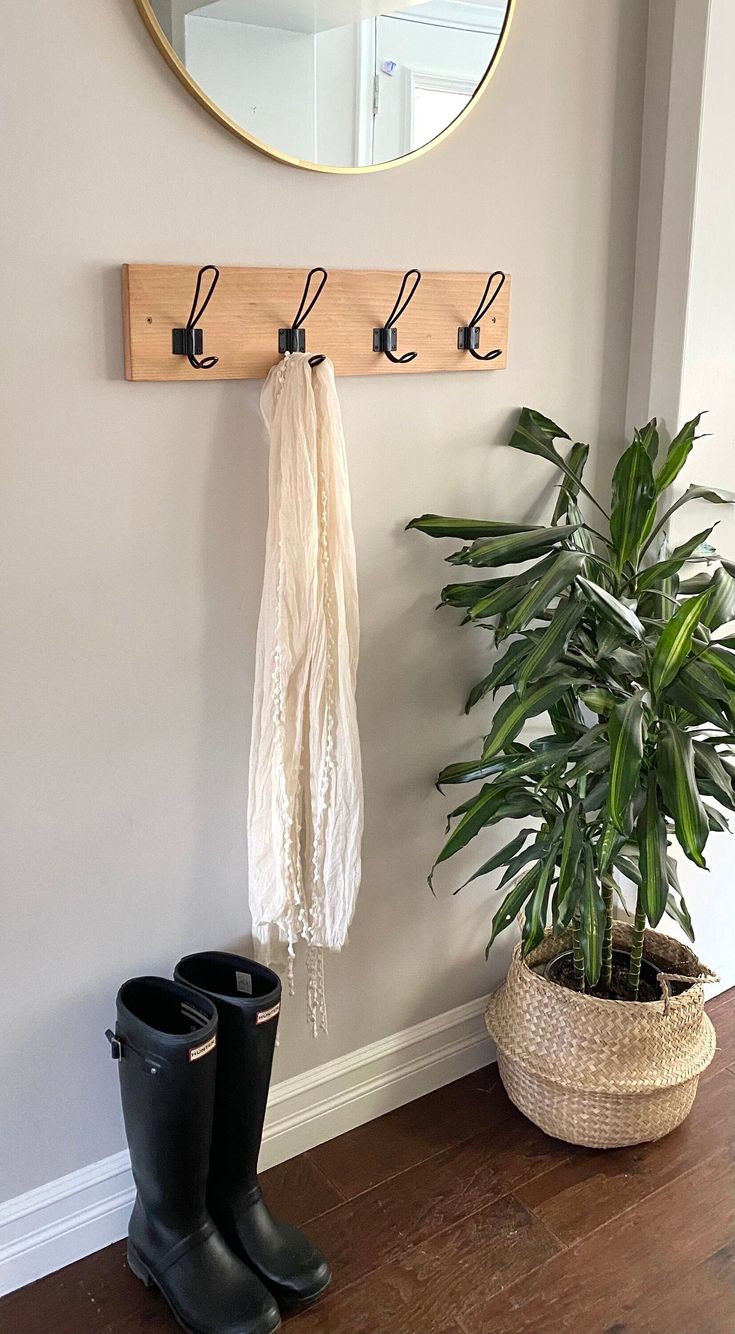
115, 1045
117, 1052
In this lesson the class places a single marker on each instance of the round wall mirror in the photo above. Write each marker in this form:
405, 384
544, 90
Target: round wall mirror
333, 85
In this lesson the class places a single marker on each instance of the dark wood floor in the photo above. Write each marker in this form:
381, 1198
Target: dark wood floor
455, 1215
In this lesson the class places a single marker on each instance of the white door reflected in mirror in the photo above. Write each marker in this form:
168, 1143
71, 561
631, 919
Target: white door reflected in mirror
337, 84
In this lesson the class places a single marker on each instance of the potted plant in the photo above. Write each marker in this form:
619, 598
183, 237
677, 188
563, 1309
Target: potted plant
600, 1024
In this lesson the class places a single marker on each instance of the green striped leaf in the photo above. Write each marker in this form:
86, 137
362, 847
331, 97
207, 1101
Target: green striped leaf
654, 887
512, 904
538, 904
514, 712
571, 851
630, 867
593, 761
565, 716
509, 766
611, 608
678, 784
598, 700
680, 913
475, 815
708, 765
677, 455
569, 489
715, 821
664, 569
467, 594
634, 495
672, 873
675, 641
712, 495
513, 548
562, 573
696, 584
686, 696
535, 434
502, 673
702, 679
501, 858
493, 804
723, 662
625, 730
435, 525
471, 771
721, 606
648, 437
592, 919
582, 539
510, 592
609, 845
535, 852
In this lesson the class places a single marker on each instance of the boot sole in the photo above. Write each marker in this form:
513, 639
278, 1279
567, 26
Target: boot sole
142, 1272
293, 1306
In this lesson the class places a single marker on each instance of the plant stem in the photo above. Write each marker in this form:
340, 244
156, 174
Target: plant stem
636, 950
607, 898
577, 953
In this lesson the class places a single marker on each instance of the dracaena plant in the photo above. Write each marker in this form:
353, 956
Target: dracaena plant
633, 664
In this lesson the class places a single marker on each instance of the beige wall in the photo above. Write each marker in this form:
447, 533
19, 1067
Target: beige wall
133, 520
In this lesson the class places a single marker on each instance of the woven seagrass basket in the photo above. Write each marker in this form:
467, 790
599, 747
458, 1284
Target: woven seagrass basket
602, 1073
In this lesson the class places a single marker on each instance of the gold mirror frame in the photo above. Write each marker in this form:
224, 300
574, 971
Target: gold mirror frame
145, 8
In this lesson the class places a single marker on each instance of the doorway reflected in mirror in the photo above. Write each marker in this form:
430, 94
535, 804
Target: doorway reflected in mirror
333, 84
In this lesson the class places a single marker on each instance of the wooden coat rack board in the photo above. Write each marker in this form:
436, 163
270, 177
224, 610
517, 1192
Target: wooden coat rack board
249, 306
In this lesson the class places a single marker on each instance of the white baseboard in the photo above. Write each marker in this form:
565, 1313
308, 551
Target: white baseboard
78, 1214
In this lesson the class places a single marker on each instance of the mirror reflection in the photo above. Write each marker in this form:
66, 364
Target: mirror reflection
336, 82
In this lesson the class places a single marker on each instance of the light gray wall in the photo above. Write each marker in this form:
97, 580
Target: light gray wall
133, 520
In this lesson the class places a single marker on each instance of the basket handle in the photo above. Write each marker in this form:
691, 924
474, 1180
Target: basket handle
663, 980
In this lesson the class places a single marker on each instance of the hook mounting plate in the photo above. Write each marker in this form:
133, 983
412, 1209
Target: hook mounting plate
468, 338
385, 340
292, 340
187, 342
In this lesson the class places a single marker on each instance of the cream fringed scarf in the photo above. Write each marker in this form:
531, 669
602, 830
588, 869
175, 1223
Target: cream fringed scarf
305, 791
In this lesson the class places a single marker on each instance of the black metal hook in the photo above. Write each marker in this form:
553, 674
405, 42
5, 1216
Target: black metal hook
189, 342
468, 335
385, 339
294, 338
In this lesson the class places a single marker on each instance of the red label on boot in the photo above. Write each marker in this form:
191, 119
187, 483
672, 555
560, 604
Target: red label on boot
263, 1016
196, 1052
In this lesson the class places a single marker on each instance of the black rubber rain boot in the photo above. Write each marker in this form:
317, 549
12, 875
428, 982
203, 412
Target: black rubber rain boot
165, 1044
248, 999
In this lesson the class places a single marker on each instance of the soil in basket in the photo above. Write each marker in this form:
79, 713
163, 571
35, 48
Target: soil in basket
649, 990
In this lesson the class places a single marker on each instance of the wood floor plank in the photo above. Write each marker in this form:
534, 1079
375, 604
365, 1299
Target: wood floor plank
431, 1287
297, 1191
595, 1185
700, 1302
593, 1287
723, 1018
724, 1000
374, 1152
84, 1298
384, 1223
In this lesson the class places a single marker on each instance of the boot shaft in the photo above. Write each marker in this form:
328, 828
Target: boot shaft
165, 1044
247, 997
